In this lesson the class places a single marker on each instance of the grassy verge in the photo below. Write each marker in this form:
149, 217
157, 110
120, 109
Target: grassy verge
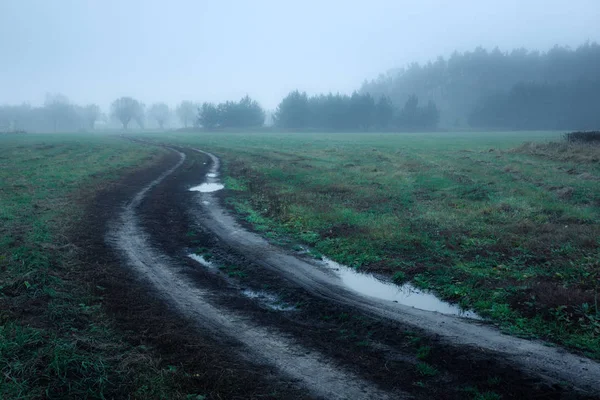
55, 339
507, 229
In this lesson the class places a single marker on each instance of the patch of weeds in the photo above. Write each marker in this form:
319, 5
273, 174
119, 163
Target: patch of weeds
258, 222
276, 238
309, 237
315, 254
494, 381
422, 282
205, 253
298, 248
427, 370
476, 394
348, 252
414, 339
193, 237
565, 250
343, 316
399, 277
488, 396
423, 352
347, 335
236, 184
67, 366
233, 271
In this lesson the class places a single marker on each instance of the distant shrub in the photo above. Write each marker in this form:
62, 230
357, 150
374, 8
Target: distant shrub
583, 137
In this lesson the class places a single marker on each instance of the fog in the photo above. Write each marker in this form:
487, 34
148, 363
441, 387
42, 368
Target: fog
94, 51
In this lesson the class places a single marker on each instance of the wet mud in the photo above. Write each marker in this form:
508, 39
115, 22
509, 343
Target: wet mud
314, 372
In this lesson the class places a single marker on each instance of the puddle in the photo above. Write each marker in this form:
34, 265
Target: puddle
205, 202
406, 294
211, 183
269, 300
266, 299
201, 260
207, 187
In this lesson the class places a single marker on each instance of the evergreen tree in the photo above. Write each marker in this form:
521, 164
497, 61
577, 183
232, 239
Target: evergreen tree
293, 112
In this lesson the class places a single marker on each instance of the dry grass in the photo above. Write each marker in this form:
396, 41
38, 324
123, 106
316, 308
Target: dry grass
583, 137
576, 152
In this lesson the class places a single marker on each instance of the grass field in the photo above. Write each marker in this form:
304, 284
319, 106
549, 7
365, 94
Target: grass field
55, 339
509, 229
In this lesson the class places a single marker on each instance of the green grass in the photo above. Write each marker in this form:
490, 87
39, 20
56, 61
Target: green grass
423, 352
507, 229
55, 339
233, 271
425, 369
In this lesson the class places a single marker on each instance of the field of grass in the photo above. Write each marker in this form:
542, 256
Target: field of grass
55, 339
509, 229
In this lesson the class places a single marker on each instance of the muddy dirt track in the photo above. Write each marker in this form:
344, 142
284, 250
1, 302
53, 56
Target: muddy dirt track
292, 321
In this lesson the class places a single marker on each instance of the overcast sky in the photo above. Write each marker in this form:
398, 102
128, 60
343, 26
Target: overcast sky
213, 50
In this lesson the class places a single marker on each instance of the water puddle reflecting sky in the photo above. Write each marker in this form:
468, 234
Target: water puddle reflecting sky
201, 260
269, 300
211, 183
406, 294
207, 187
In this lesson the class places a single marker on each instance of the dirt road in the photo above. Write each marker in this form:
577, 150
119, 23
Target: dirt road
283, 310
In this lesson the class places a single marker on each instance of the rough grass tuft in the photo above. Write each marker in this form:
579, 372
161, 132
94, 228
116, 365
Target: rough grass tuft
573, 152
583, 137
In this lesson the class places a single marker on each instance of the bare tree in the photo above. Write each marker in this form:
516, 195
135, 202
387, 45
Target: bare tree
91, 114
187, 111
127, 108
160, 112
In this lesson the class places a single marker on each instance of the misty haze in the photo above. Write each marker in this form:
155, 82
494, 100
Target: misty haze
290, 200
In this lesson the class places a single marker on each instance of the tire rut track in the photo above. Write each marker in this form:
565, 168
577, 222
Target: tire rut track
320, 376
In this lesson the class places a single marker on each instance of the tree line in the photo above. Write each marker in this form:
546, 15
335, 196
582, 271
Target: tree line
297, 111
246, 113
357, 112
459, 84
481, 89
549, 106
59, 114
331, 112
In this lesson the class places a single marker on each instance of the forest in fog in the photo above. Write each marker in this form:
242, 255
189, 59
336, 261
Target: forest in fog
518, 89
479, 89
